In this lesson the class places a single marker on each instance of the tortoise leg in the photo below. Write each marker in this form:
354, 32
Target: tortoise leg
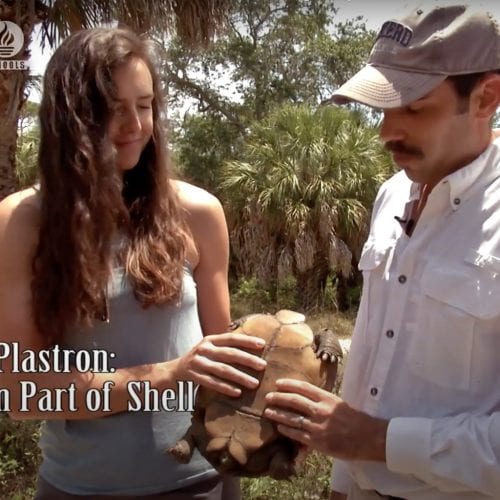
226, 464
282, 465
183, 450
327, 346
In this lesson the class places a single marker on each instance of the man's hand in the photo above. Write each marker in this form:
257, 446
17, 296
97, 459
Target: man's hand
325, 423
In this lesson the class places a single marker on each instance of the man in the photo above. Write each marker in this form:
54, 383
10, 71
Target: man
420, 414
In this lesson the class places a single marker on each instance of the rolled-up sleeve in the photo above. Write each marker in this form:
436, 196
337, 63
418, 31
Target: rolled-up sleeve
453, 454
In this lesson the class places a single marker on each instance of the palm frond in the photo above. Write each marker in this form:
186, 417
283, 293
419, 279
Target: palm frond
311, 175
196, 22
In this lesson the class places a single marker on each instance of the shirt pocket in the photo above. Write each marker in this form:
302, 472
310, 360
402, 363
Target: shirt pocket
372, 264
373, 254
454, 302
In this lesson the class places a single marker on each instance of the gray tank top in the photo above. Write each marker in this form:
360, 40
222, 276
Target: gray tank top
124, 454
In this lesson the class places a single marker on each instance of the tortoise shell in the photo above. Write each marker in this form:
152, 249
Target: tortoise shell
232, 433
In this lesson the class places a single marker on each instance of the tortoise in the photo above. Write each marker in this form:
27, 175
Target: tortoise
232, 433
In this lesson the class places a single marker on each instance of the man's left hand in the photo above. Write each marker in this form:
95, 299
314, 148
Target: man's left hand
325, 423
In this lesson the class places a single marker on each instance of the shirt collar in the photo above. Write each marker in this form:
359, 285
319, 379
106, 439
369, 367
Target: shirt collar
475, 175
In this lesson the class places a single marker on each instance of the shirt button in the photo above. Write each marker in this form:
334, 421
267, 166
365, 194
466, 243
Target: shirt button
389, 333
373, 391
457, 201
402, 279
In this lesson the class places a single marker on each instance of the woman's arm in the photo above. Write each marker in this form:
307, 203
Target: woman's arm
209, 257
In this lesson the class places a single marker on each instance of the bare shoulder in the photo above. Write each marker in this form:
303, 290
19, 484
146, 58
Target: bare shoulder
19, 232
206, 221
195, 199
19, 224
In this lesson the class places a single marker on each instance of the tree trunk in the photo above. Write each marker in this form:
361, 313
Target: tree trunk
311, 284
12, 91
348, 291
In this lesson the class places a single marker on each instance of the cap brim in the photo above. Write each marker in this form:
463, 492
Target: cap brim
382, 87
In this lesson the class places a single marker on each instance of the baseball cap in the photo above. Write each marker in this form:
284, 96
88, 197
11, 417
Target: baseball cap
414, 55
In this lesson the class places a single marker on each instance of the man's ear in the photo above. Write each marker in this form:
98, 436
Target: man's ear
486, 96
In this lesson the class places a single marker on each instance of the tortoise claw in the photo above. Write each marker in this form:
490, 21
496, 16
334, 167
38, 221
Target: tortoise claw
327, 346
238, 322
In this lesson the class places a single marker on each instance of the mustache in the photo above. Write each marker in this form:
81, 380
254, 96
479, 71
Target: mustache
400, 147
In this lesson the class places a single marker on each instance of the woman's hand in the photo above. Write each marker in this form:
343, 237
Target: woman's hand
211, 363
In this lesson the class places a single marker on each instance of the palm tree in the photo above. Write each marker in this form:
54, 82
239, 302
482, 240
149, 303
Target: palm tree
299, 201
195, 21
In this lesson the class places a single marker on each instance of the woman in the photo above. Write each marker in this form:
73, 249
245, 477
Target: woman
111, 254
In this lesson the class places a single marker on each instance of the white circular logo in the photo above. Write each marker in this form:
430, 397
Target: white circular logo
11, 39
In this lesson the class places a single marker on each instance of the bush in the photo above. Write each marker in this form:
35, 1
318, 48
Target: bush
250, 297
19, 458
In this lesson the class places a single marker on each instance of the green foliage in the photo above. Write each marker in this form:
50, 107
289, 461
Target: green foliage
19, 458
27, 158
250, 297
274, 52
349, 50
298, 201
195, 24
27, 145
201, 146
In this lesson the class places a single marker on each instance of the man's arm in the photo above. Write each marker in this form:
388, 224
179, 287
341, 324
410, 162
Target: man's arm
452, 454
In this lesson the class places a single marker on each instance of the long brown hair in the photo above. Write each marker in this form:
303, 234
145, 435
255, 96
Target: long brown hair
85, 200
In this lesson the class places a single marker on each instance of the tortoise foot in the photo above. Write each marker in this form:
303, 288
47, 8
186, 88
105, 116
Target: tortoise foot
281, 466
327, 346
182, 451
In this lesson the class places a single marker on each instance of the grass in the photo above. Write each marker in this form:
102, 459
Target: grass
311, 483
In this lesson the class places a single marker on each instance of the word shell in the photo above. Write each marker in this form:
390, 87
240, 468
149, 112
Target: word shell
143, 397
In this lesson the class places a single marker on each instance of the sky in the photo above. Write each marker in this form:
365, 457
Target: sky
374, 12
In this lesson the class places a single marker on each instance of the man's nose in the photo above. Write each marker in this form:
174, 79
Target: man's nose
392, 128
